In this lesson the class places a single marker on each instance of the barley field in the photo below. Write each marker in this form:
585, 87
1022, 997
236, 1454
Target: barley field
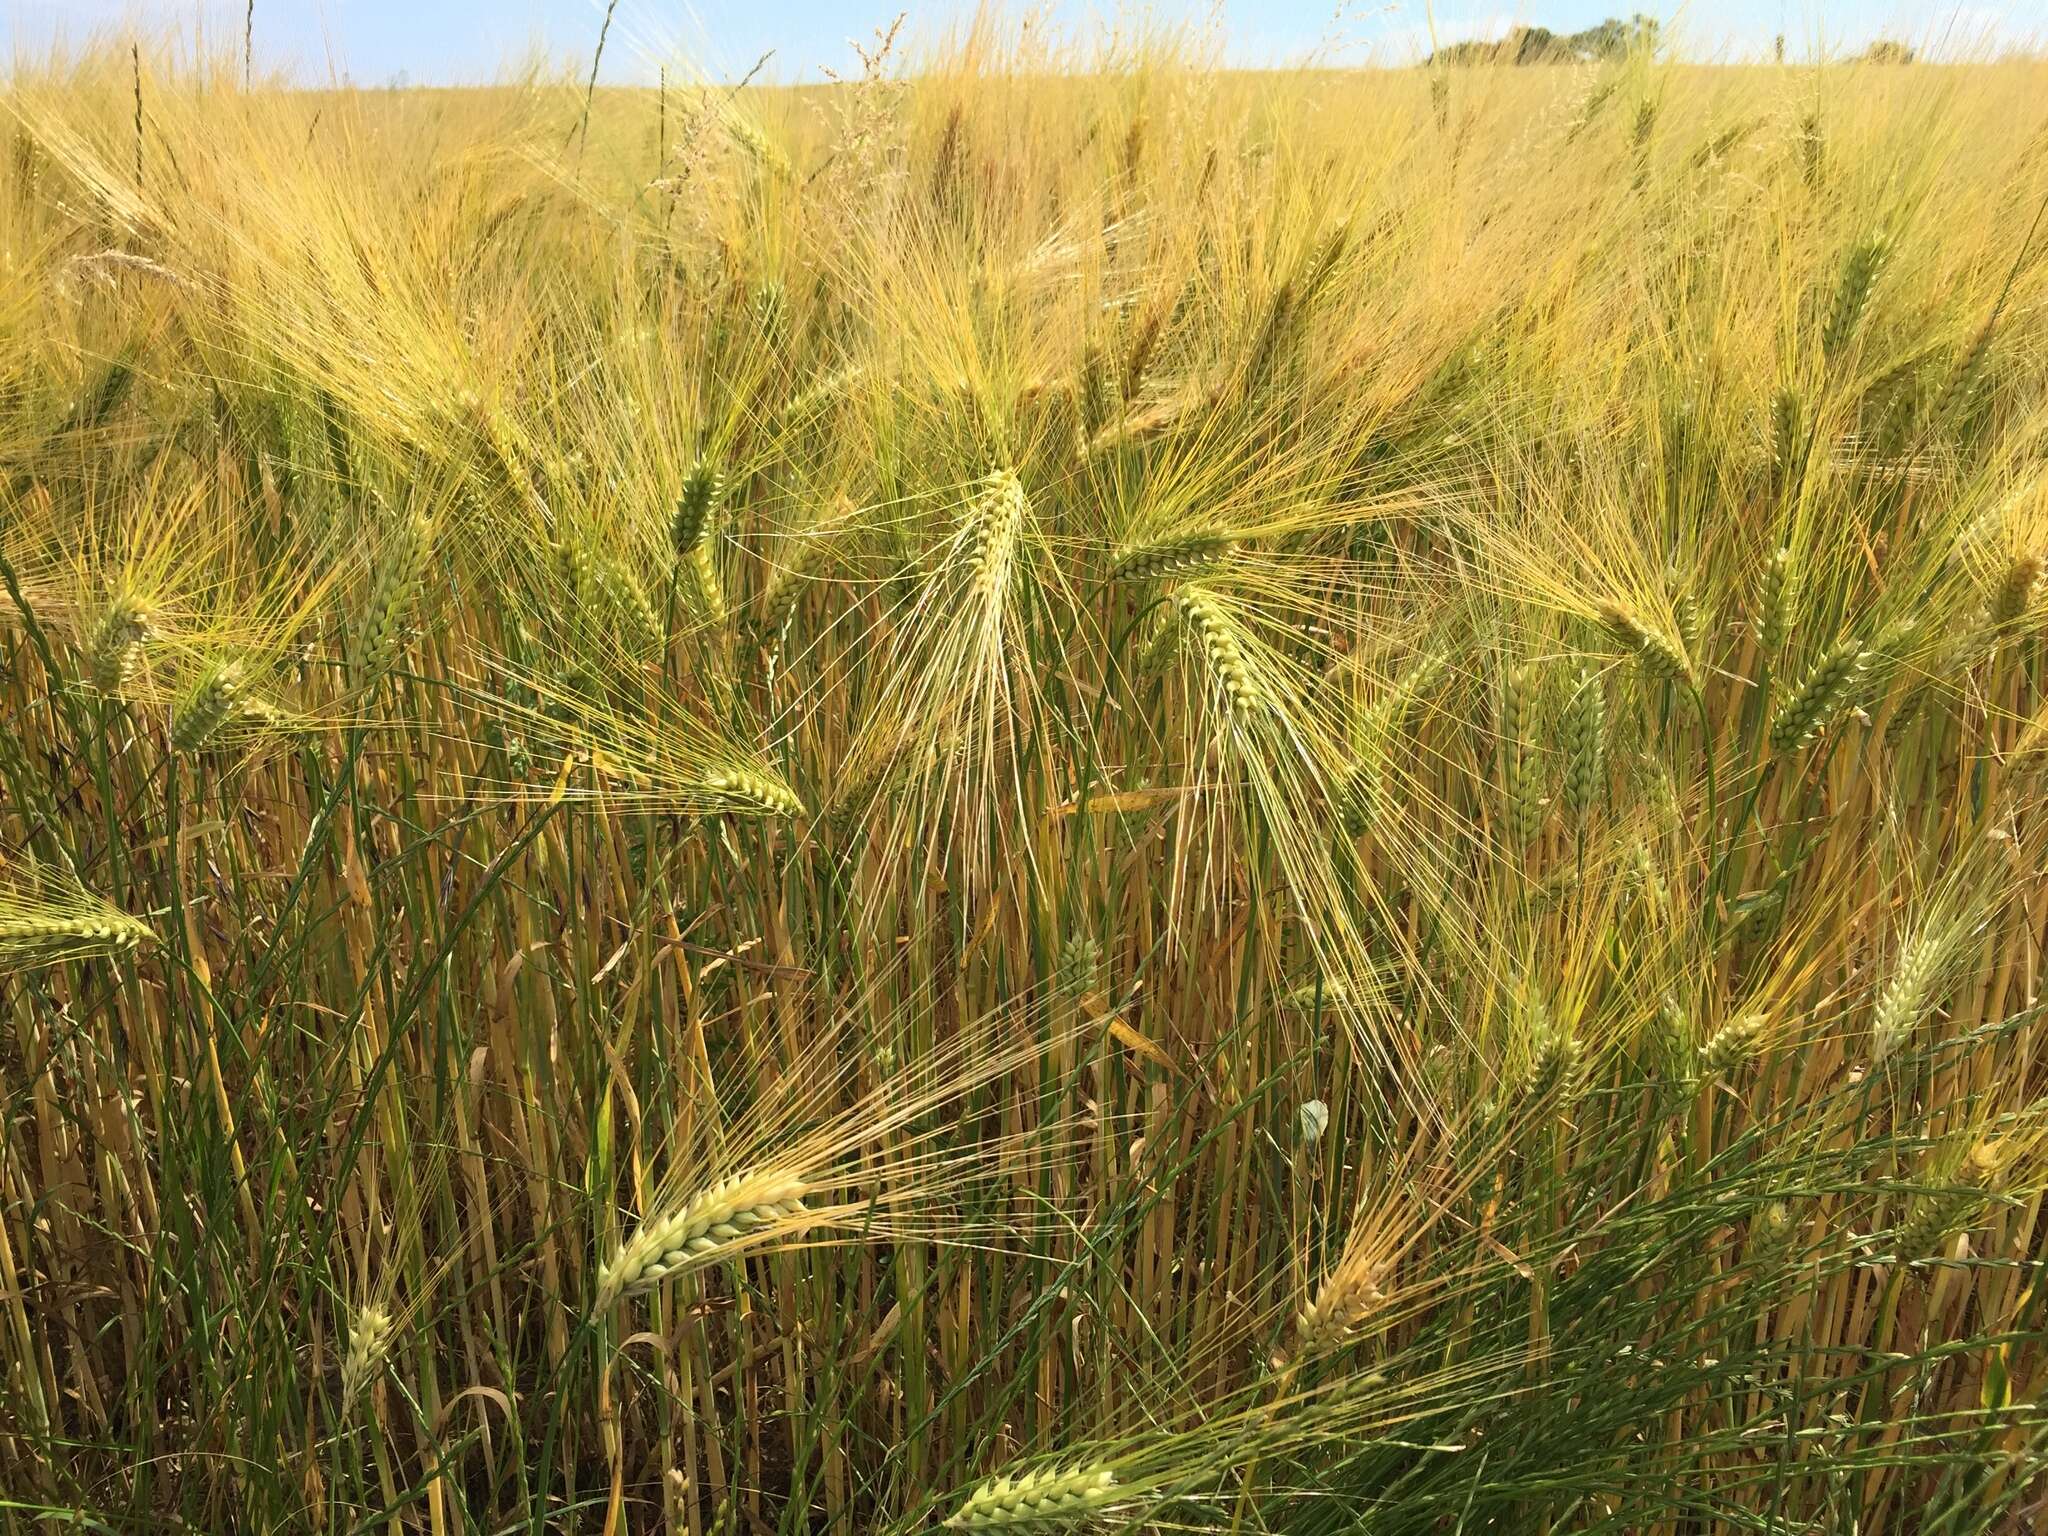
1051, 790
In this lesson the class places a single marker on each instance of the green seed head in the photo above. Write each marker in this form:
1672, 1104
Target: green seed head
1213, 628
1179, 554
703, 488
210, 705
1852, 292
1819, 697
1520, 771
747, 791
1661, 654
2014, 594
1049, 1497
1585, 743
1730, 1046
113, 645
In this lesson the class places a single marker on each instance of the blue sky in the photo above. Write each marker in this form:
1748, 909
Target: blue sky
440, 41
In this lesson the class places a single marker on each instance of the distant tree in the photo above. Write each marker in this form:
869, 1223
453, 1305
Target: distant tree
1887, 51
1523, 45
1611, 39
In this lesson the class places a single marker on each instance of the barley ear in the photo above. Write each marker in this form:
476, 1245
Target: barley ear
1049, 1497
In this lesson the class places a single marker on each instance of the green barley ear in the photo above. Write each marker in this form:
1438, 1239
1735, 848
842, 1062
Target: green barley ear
1361, 778
1730, 1046
814, 397
113, 645
1907, 998
1521, 781
1206, 619
1852, 292
1672, 1041
369, 1346
988, 534
1361, 785
2014, 594
621, 593
572, 560
208, 707
1690, 610
1826, 688
1554, 1067
690, 532
766, 155
1644, 876
1771, 1232
1177, 554
1585, 743
1278, 322
703, 488
1777, 599
47, 916
1813, 150
1080, 965
1938, 1215
803, 555
393, 587
1660, 654
1094, 391
1788, 447
749, 791
1050, 1496
743, 1206
1138, 354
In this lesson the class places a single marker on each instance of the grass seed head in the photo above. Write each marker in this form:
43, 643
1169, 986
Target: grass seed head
749, 791
1215, 630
